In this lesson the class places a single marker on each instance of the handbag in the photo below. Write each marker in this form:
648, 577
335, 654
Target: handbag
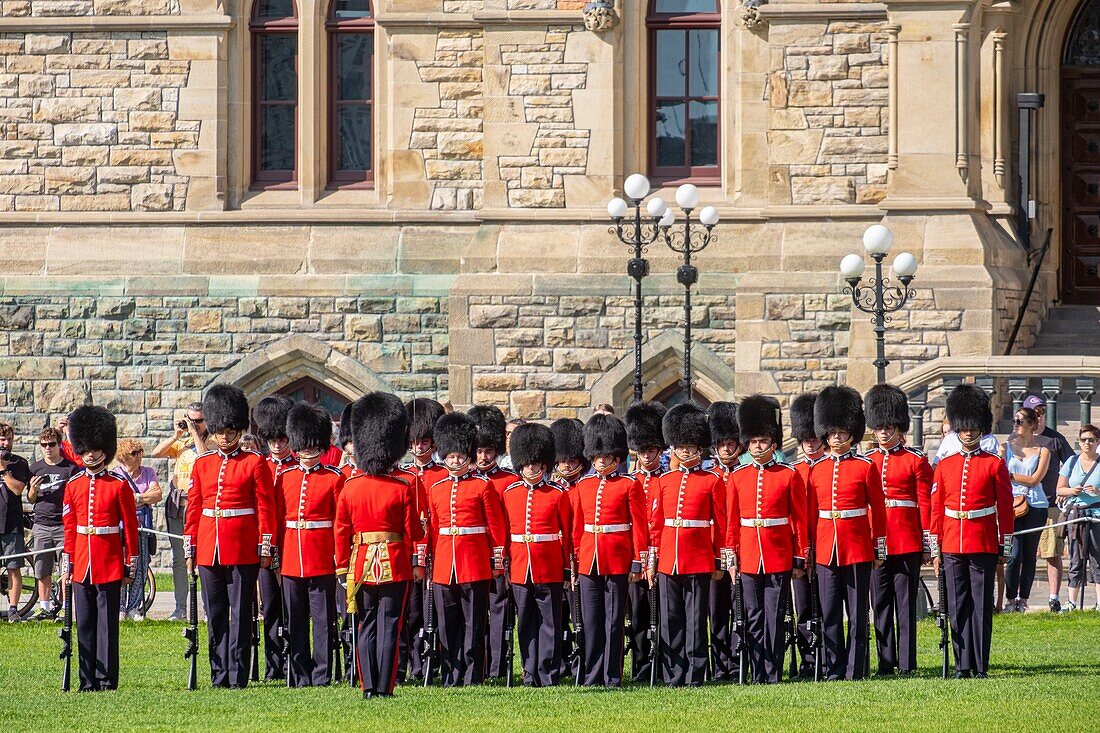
1020, 507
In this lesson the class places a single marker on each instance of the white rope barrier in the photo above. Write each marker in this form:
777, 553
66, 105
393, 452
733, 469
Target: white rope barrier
1057, 524
158, 533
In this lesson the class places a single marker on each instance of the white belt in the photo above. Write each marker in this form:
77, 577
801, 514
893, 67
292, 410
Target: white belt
536, 537
227, 512
450, 531
762, 522
891, 503
81, 529
972, 514
308, 525
843, 513
607, 528
674, 522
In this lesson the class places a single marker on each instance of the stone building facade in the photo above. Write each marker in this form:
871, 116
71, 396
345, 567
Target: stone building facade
140, 261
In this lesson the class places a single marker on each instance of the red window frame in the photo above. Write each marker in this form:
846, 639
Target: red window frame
262, 28
672, 175
336, 27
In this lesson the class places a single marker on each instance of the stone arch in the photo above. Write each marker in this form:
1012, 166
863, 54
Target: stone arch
282, 362
662, 365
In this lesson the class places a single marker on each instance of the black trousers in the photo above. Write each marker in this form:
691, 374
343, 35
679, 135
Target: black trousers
228, 592
970, 582
641, 655
569, 654
803, 614
378, 622
412, 663
499, 598
1084, 555
894, 589
95, 608
271, 607
462, 610
722, 641
684, 607
308, 598
767, 596
539, 625
603, 615
1020, 568
844, 589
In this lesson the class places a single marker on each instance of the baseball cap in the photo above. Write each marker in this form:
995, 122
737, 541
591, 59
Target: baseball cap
1032, 402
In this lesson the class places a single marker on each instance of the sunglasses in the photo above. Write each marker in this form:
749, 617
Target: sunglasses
49, 445
1020, 421
1087, 440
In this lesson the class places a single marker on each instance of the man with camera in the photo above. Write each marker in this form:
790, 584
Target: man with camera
14, 476
187, 443
47, 494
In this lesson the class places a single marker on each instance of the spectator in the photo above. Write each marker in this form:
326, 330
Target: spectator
506, 459
147, 487
249, 441
15, 474
604, 409
1051, 544
188, 443
1079, 484
1027, 464
950, 444
46, 492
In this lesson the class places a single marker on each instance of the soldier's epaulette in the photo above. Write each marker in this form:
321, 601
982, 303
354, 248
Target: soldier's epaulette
557, 484
253, 452
331, 469
514, 485
75, 476
287, 469
865, 459
915, 451
784, 464
388, 475
713, 473
741, 466
204, 454
811, 462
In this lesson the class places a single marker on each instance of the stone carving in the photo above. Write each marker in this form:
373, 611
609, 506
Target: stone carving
599, 16
750, 13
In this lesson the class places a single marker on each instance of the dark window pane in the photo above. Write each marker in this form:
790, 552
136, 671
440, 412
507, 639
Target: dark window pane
355, 55
277, 137
703, 51
704, 133
351, 9
353, 132
687, 6
271, 9
670, 134
280, 77
671, 64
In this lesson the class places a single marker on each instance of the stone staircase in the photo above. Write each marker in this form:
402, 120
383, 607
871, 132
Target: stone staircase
1069, 330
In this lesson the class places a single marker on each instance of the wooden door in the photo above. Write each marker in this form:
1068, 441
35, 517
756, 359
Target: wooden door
1080, 262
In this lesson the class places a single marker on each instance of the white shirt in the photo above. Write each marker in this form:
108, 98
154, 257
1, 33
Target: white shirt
950, 445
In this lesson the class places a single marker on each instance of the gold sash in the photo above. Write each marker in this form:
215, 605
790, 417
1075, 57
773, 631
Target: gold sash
377, 567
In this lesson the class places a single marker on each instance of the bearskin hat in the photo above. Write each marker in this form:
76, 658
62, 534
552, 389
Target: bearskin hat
490, 426
839, 408
722, 418
802, 417
568, 440
270, 415
455, 432
605, 435
531, 443
643, 425
347, 434
686, 424
225, 408
423, 413
379, 429
308, 426
759, 416
968, 409
93, 428
886, 407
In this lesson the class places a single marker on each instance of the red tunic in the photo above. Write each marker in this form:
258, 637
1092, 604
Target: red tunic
610, 530
972, 482
840, 485
539, 519
500, 478
305, 512
348, 470
420, 507
688, 521
374, 504
907, 484
94, 508
230, 508
275, 465
466, 529
768, 526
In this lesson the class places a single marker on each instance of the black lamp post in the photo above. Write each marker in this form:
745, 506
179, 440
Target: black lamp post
878, 297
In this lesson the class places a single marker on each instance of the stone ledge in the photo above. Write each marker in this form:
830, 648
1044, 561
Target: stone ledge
97, 23
794, 12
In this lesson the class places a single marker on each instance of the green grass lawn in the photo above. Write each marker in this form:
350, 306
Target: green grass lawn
1045, 679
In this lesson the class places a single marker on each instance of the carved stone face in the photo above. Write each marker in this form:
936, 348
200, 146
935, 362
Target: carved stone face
599, 18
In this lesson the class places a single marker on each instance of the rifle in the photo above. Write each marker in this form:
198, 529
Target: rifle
739, 627
335, 640
255, 675
941, 617
509, 631
191, 633
65, 633
284, 643
792, 634
654, 640
578, 629
430, 632
817, 634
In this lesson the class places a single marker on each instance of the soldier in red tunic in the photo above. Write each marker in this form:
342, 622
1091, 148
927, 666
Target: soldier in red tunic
229, 532
570, 465
270, 415
539, 522
467, 536
101, 545
850, 536
687, 537
768, 534
347, 445
802, 430
610, 532
972, 524
376, 532
490, 447
724, 432
644, 438
305, 509
907, 485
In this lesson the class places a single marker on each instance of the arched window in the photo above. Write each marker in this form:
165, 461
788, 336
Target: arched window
310, 390
274, 28
351, 92
683, 89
